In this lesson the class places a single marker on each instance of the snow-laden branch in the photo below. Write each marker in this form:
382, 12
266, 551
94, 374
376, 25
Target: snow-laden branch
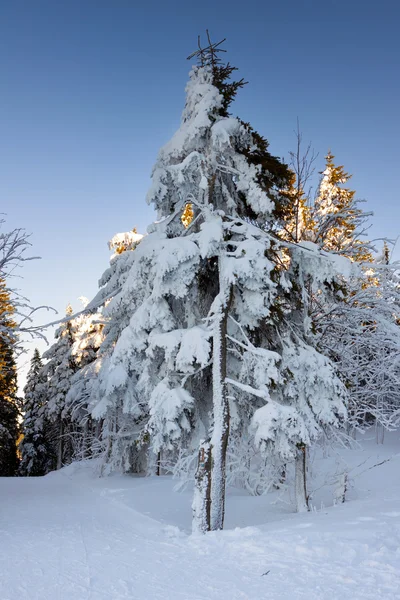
248, 389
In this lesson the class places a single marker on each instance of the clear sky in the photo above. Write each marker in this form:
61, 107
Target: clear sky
90, 90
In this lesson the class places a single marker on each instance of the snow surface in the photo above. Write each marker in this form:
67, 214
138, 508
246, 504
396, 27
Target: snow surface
74, 536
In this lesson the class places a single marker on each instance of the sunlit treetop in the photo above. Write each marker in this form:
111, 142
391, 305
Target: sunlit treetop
340, 221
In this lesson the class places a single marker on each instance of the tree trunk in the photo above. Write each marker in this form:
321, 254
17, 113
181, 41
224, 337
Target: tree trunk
158, 464
60, 448
379, 433
111, 430
202, 491
99, 429
300, 479
220, 435
341, 488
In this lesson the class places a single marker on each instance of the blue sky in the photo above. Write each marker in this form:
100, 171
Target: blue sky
90, 90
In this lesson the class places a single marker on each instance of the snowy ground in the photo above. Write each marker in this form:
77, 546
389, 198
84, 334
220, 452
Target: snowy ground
73, 536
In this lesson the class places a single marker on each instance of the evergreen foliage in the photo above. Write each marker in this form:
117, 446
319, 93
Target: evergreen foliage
9, 402
37, 457
339, 222
59, 368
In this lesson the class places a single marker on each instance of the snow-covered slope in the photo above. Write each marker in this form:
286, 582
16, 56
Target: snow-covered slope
74, 536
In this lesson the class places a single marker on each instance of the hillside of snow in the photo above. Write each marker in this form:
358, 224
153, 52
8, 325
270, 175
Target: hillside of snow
74, 536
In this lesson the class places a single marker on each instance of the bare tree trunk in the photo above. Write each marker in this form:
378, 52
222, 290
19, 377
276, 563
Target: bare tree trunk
202, 491
300, 479
158, 464
220, 435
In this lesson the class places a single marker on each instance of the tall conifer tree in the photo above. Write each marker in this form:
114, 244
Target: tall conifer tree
206, 316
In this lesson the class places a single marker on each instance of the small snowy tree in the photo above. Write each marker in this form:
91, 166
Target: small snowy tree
361, 334
88, 337
355, 318
36, 453
308, 398
356, 324
59, 370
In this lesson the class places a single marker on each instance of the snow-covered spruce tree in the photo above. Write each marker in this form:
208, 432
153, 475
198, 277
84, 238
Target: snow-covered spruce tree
9, 402
223, 169
36, 452
169, 362
204, 295
113, 404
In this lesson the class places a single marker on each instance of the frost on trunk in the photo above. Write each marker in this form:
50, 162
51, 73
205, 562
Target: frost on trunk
209, 495
220, 435
300, 479
202, 490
